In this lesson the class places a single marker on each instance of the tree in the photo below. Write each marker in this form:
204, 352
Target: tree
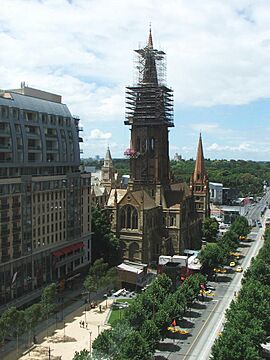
48, 298
33, 314
82, 355
136, 345
90, 285
104, 244
210, 229
11, 323
151, 334
211, 256
240, 226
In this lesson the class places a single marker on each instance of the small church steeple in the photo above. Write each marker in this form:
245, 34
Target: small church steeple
108, 171
199, 172
108, 158
199, 184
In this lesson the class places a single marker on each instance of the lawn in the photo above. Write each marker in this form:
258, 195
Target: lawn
117, 314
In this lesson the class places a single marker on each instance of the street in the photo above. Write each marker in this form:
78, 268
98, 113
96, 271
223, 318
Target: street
206, 318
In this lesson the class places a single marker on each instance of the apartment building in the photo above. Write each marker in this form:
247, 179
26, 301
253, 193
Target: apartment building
45, 201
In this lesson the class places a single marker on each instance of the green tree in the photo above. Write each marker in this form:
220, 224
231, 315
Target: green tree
136, 345
211, 256
210, 229
104, 244
240, 226
48, 299
82, 355
90, 285
151, 334
32, 314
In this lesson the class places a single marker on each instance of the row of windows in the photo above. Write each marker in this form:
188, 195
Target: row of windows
47, 229
49, 196
49, 239
13, 113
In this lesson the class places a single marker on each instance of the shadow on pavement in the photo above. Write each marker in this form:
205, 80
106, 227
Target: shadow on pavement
170, 347
198, 306
192, 314
184, 323
225, 278
159, 357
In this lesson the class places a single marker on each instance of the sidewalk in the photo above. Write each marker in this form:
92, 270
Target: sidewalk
71, 337
74, 306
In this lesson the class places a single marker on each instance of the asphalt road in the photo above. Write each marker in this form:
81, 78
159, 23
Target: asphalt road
205, 319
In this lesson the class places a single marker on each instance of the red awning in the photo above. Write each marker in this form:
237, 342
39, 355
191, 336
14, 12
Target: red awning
78, 246
57, 253
68, 249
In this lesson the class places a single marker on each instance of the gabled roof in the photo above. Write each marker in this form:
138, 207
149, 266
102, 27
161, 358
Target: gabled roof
120, 194
140, 197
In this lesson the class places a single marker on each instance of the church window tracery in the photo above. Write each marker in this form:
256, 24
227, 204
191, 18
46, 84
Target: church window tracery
129, 217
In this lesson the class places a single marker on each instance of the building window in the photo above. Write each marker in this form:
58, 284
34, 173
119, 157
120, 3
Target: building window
129, 217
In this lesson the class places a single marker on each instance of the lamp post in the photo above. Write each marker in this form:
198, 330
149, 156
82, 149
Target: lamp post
90, 342
98, 328
85, 320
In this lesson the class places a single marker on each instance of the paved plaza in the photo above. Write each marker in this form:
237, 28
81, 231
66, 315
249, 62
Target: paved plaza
71, 336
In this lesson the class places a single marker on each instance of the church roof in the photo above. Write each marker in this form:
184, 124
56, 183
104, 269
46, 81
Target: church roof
98, 190
120, 194
142, 196
176, 195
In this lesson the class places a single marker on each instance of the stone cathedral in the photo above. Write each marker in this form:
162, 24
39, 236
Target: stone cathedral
155, 215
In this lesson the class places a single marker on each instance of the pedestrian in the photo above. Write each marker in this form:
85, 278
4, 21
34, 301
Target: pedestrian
83, 324
80, 323
99, 308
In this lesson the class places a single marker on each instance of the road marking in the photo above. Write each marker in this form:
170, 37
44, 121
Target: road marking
199, 333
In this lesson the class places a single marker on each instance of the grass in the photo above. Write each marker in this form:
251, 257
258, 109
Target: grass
117, 314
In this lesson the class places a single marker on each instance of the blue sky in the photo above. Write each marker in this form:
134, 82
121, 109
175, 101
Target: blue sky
218, 64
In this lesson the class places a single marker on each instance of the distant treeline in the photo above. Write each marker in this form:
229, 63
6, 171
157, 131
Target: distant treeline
247, 176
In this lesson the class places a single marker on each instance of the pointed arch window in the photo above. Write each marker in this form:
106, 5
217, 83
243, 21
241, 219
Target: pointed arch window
128, 217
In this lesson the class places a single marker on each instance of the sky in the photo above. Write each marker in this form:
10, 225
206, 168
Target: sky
218, 64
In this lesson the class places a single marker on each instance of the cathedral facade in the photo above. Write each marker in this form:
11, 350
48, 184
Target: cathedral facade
154, 215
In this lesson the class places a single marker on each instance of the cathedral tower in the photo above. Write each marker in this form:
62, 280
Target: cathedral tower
149, 112
199, 184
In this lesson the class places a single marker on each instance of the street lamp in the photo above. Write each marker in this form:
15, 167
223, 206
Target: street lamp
98, 328
90, 342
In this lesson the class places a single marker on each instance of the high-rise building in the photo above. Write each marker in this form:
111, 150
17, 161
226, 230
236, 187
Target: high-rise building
45, 209
154, 215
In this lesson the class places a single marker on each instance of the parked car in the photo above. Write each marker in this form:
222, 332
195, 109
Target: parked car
238, 268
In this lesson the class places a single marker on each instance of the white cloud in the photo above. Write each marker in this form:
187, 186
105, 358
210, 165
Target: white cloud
218, 53
97, 134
